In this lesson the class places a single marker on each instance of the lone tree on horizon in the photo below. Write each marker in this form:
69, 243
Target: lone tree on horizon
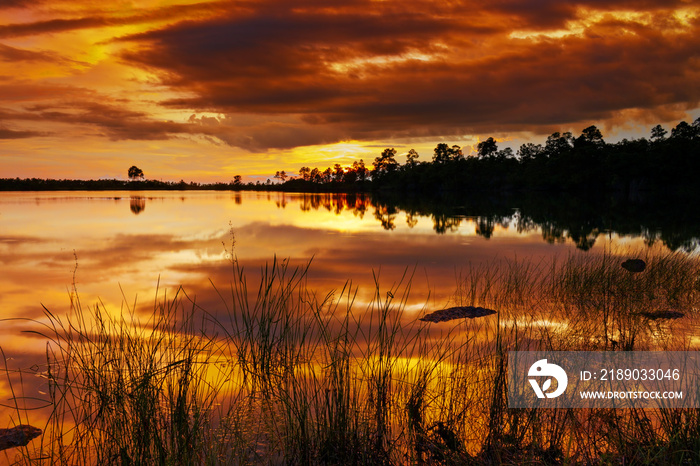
135, 172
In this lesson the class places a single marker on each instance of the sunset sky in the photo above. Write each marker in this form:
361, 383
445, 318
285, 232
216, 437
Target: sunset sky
205, 90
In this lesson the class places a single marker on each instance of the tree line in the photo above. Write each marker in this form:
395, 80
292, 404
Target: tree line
582, 164
665, 162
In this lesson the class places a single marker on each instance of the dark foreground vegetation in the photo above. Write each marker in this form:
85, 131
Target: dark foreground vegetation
285, 376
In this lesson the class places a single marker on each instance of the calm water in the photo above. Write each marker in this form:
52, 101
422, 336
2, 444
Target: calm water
128, 250
118, 247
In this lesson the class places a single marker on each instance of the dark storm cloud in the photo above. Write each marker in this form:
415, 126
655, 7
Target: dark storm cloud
6, 4
361, 71
54, 25
8, 53
548, 83
281, 74
15, 134
17, 55
113, 120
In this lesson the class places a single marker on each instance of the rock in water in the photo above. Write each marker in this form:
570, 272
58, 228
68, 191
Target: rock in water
634, 265
459, 312
17, 436
663, 315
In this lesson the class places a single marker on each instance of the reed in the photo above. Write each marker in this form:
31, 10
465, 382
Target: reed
280, 375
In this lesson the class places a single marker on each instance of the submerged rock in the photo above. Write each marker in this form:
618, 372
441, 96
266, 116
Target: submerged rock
460, 312
17, 436
634, 265
662, 315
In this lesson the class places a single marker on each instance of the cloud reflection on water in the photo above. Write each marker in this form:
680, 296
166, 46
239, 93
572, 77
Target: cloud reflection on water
180, 239
51, 242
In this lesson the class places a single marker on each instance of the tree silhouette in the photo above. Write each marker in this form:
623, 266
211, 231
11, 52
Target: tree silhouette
281, 176
658, 133
444, 153
504, 154
360, 169
530, 151
441, 153
583, 164
386, 163
327, 175
683, 131
349, 176
411, 158
590, 136
558, 143
315, 175
487, 148
135, 172
338, 173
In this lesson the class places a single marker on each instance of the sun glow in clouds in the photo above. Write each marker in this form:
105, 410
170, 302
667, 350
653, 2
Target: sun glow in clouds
356, 65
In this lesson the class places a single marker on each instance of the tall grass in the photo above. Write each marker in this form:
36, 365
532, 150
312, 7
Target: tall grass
281, 375
128, 390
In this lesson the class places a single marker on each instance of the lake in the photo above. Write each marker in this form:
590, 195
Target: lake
120, 246
117, 245
125, 251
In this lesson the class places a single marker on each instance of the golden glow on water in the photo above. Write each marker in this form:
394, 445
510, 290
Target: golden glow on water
181, 238
525, 323
130, 250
